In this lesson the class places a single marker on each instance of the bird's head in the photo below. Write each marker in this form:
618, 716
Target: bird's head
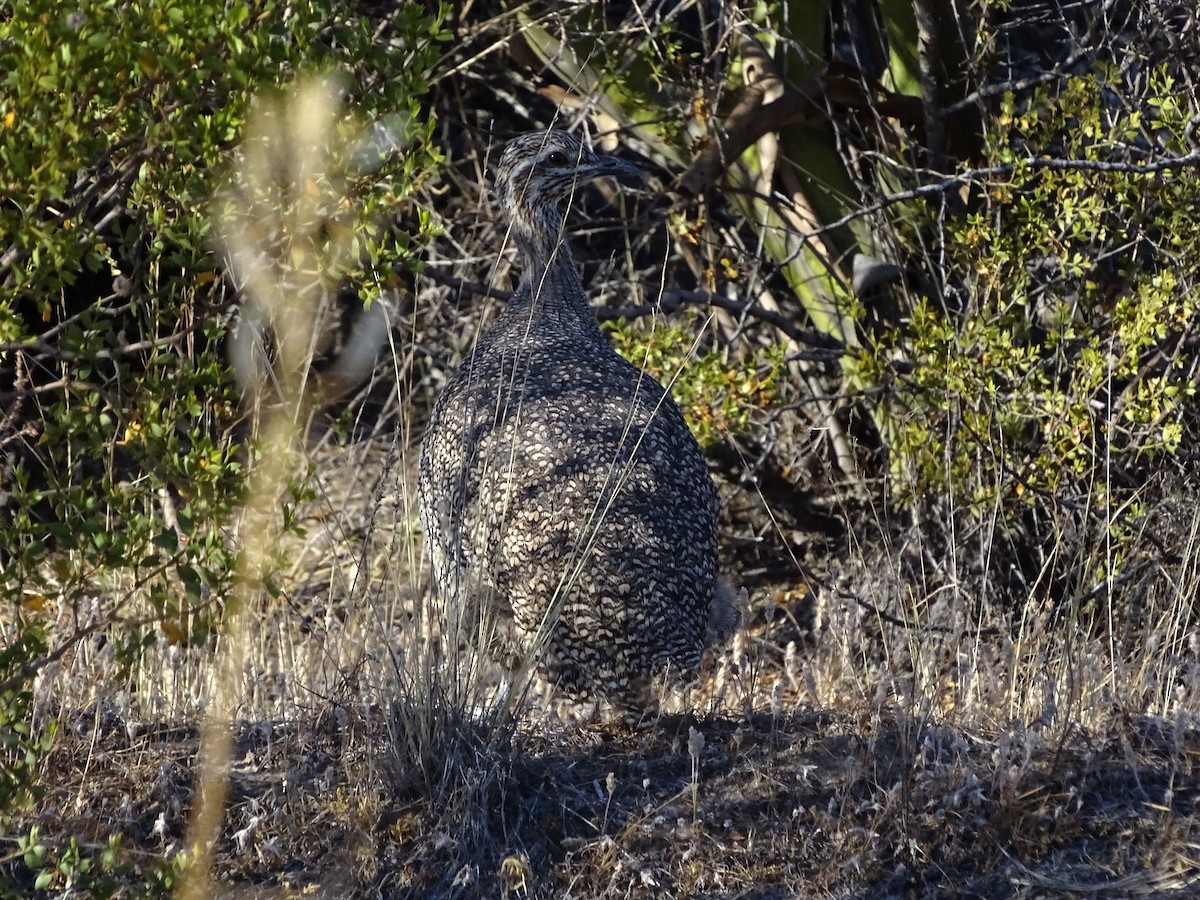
542, 169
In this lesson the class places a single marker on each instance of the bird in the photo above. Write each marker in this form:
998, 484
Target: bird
561, 491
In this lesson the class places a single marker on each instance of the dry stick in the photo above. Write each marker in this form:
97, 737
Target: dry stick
1033, 163
265, 484
670, 302
755, 116
299, 131
800, 217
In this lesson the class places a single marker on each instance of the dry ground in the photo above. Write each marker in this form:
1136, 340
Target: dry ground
897, 790
798, 805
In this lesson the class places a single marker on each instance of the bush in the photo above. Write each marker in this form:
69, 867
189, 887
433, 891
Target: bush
718, 395
20, 746
1052, 382
119, 452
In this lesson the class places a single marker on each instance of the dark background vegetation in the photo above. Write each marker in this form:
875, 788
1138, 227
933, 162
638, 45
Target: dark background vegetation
923, 276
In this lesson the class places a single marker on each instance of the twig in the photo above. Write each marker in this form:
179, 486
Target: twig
461, 284
673, 300
967, 176
927, 627
754, 116
670, 302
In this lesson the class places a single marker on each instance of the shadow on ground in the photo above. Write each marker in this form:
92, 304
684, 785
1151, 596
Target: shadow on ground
804, 805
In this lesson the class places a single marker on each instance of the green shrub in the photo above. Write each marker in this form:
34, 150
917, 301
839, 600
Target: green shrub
21, 744
119, 466
1052, 366
717, 394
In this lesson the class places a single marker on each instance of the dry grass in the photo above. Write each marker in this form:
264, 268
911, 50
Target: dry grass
841, 755
770, 805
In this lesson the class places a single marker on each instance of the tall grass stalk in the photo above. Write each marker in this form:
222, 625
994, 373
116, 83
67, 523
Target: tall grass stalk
271, 222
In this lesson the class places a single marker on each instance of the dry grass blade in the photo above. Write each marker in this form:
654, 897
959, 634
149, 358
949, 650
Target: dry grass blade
272, 225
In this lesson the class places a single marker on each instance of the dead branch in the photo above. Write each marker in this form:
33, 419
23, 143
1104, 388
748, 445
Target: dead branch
669, 303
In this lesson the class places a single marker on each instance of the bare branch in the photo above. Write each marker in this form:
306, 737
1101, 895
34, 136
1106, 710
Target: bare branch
670, 302
970, 176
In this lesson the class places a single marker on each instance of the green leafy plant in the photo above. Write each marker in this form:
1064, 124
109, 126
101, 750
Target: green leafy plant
113, 311
164, 876
1052, 365
122, 446
718, 395
21, 745
73, 866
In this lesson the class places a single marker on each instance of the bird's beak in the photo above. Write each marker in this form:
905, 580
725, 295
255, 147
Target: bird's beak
626, 173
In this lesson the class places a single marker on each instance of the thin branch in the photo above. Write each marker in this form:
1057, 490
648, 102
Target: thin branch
669, 303
44, 349
673, 300
970, 176
461, 284
753, 116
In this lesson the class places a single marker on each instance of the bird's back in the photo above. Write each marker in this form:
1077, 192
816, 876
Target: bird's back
560, 478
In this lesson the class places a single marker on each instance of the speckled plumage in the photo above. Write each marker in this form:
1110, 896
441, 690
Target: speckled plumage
559, 483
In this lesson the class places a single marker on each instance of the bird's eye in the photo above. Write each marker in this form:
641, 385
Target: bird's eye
557, 158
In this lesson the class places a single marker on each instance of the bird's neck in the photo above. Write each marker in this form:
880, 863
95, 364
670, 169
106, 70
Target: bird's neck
550, 290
